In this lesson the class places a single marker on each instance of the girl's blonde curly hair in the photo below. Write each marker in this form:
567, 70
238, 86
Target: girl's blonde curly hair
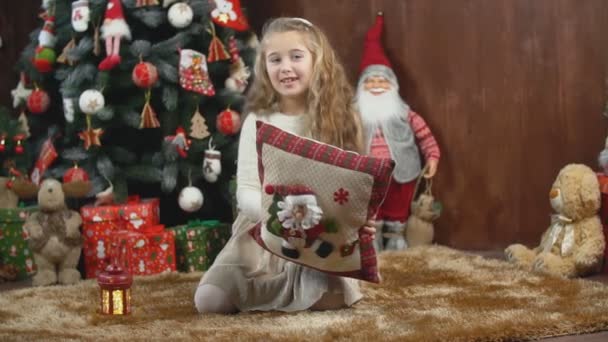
334, 119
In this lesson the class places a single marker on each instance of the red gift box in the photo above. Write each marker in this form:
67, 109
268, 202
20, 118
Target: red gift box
150, 250
138, 213
603, 180
100, 223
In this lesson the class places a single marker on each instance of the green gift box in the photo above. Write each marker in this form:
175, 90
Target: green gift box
198, 243
14, 250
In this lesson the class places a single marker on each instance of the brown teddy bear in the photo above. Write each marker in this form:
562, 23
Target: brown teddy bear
574, 243
55, 237
420, 229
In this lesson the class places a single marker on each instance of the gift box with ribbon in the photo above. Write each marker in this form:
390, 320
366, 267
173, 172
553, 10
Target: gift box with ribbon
99, 224
149, 250
16, 259
198, 243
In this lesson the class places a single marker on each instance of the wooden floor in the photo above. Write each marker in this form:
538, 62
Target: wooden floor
597, 337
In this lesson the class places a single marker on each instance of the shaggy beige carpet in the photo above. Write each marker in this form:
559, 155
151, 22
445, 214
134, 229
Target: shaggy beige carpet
428, 293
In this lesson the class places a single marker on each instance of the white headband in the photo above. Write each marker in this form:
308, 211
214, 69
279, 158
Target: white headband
306, 22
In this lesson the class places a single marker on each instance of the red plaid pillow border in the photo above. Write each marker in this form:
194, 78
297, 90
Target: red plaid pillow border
379, 168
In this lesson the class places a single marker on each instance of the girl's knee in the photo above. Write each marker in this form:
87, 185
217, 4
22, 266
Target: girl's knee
330, 301
212, 299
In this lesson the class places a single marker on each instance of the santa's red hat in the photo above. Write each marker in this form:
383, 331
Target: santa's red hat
286, 190
374, 60
114, 10
303, 192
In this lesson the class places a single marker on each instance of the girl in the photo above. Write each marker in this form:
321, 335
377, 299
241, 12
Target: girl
300, 87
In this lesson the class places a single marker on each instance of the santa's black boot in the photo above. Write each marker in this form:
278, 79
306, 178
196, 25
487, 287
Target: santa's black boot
324, 249
290, 253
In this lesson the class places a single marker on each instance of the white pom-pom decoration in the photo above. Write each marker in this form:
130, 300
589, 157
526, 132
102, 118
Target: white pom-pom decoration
190, 199
91, 101
180, 15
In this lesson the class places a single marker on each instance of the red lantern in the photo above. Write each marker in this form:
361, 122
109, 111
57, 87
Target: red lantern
75, 174
144, 75
115, 288
38, 101
228, 122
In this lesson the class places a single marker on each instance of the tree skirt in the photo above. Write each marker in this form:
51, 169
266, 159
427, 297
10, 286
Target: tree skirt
427, 293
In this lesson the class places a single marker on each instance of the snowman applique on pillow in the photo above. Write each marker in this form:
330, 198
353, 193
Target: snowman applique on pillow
316, 198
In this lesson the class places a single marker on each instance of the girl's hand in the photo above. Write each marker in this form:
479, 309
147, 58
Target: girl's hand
369, 228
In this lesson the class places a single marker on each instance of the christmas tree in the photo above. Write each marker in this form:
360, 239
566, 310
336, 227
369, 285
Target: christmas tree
132, 85
15, 154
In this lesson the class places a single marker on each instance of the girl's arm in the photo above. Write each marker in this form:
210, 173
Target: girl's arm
248, 191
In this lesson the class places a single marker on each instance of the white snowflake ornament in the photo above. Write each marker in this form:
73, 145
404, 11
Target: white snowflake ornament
91, 101
180, 15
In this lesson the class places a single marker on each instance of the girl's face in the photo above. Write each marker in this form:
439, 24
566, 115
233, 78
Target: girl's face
289, 64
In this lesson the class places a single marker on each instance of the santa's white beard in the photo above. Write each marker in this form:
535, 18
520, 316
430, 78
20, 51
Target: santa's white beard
380, 108
313, 215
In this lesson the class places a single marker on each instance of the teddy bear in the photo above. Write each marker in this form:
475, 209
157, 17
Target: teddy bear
573, 245
420, 229
55, 238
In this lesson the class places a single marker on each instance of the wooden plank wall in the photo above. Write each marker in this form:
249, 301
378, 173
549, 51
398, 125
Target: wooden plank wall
17, 20
513, 89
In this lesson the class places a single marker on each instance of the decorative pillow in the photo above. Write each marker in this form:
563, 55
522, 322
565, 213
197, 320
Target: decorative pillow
316, 198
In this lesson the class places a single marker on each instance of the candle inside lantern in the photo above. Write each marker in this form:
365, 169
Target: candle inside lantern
115, 288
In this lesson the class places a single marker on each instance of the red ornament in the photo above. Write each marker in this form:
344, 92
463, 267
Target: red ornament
75, 174
2, 144
145, 75
38, 101
228, 122
19, 147
44, 59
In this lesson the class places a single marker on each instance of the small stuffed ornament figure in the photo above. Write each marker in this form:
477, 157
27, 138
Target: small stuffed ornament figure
47, 37
239, 76
113, 30
392, 130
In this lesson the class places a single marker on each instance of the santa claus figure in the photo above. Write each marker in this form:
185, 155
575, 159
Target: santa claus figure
113, 30
392, 130
300, 216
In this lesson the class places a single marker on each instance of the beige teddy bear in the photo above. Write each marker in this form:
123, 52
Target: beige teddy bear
574, 243
55, 237
420, 229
